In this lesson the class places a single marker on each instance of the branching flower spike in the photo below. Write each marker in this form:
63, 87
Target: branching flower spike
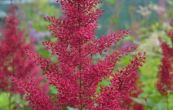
75, 75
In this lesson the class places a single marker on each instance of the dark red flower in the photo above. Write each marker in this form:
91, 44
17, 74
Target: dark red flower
165, 81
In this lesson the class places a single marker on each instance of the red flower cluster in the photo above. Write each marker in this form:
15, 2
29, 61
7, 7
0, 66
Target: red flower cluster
165, 82
14, 62
123, 86
75, 75
36, 91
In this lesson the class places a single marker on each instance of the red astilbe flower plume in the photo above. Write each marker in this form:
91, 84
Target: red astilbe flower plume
14, 62
18, 73
117, 95
75, 75
36, 92
165, 81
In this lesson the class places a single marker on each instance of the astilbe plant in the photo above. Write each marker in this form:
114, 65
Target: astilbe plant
165, 81
15, 65
75, 75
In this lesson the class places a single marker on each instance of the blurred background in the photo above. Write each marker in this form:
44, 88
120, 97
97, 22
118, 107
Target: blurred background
147, 20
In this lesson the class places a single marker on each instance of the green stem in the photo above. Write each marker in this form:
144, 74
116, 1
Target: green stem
10, 101
167, 101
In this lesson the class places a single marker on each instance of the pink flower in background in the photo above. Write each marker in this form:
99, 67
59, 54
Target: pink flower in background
14, 62
165, 81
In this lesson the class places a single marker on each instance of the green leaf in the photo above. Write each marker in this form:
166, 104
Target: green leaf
53, 90
139, 101
112, 2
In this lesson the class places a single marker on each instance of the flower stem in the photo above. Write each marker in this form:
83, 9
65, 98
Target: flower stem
80, 92
167, 101
10, 101
80, 67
